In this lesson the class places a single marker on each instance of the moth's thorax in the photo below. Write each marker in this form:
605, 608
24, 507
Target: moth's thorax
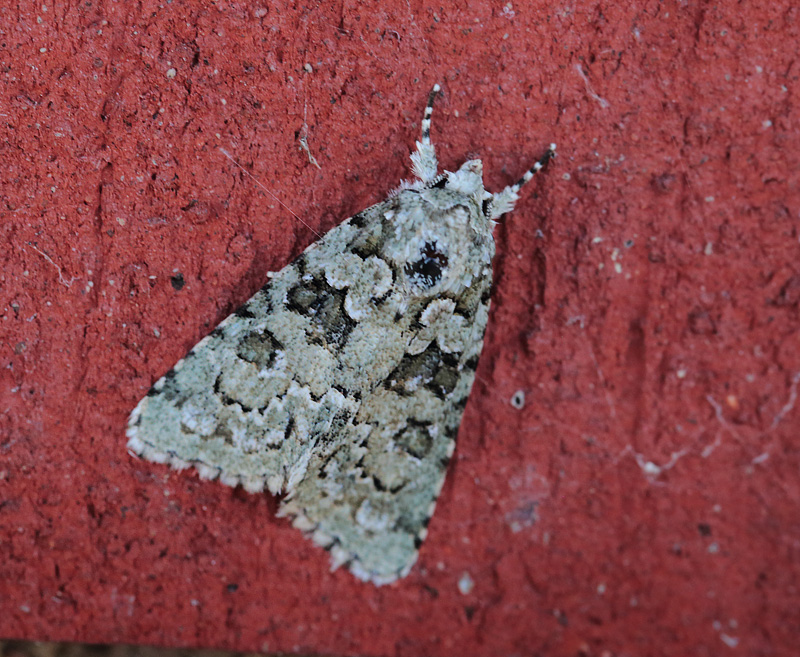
441, 239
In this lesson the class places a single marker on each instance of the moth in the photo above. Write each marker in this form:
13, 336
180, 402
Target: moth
342, 382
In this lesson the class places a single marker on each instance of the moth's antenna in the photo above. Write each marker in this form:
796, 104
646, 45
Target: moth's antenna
423, 159
426, 118
262, 186
530, 173
504, 201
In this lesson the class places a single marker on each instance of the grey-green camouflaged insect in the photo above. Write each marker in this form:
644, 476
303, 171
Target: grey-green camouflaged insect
342, 382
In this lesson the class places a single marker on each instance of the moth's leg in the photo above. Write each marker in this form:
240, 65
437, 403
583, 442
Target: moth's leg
503, 202
423, 160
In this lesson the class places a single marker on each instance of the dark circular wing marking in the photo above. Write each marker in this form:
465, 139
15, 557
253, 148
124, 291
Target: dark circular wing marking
225, 398
433, 369
427, 270
258, 348
369, 241
415, 439
244, 312
446, 379
324, 305
417, 369
358, 220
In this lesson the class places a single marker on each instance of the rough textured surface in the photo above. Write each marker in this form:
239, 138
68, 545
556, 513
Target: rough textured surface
48, 649
643, 499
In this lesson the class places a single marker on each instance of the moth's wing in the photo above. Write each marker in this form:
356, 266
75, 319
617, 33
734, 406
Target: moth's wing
323, 385
248, 403
370, 494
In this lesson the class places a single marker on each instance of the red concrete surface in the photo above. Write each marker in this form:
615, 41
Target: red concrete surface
644, 501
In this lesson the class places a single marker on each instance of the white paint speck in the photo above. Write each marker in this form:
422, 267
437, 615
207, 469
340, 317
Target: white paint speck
465, 584
171, 73
651, 468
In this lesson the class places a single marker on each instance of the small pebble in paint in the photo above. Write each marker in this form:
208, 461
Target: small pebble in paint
518, 400
465, 584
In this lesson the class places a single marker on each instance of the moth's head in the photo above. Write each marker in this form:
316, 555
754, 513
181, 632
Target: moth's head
468, 180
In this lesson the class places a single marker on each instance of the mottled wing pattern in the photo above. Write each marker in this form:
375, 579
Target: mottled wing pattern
248, 400
342, 382
310, 389
371, 488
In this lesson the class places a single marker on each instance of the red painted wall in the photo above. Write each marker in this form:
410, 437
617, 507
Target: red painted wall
644, 501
